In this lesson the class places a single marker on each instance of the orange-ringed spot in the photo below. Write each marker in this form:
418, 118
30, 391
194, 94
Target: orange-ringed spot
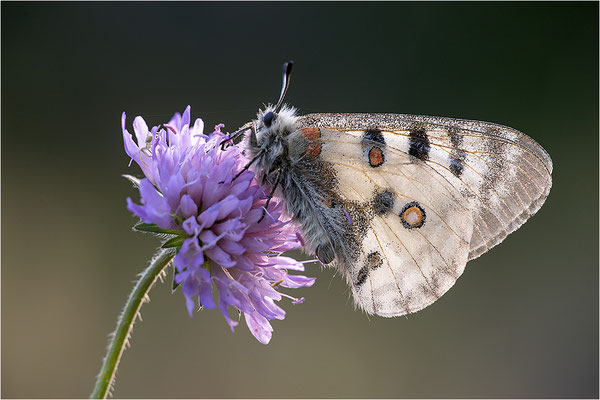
376, 157
413, 215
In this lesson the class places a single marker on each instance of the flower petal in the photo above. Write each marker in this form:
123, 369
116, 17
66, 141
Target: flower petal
190, 255
259, 326
208, 217
219, 256
141, 130
190, 289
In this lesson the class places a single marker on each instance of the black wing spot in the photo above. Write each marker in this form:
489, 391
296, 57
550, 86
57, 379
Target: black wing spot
455, 138
456, 158
374, 260
373, 135
456, 166
419, 145
363, 273
383, 201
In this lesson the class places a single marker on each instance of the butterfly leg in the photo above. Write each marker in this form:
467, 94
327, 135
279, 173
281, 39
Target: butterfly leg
271, 193
239, 132
256, 157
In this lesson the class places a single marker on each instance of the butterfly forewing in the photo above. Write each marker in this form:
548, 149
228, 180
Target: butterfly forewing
439, 192
503, 175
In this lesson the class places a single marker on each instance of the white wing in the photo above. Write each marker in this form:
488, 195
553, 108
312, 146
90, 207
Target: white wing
503, 174
471, 183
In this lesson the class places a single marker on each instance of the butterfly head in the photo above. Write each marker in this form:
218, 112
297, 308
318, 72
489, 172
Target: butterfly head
273, 125
266, 143
265, 140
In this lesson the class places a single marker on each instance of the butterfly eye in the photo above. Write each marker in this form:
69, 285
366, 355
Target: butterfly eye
268, 118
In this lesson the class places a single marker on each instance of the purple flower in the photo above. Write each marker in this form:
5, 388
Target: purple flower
225, 256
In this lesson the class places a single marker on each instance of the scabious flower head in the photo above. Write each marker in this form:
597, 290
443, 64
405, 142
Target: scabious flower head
224, 252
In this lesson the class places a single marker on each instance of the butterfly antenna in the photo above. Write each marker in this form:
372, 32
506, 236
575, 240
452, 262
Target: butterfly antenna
287, 73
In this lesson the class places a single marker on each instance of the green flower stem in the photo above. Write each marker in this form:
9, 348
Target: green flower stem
125, 323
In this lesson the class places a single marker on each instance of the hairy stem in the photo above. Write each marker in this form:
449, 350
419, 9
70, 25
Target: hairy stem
121, 335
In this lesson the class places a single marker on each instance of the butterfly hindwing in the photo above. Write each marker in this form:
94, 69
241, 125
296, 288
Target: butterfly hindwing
437, 192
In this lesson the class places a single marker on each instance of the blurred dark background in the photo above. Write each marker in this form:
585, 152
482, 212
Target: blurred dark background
521, 322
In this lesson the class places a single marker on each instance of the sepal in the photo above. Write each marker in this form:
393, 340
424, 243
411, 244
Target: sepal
176, 241
153, 228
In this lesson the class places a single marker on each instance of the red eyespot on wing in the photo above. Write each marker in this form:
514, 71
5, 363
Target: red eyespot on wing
413, 215
376, 157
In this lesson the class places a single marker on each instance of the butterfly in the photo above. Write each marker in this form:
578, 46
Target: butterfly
397, 203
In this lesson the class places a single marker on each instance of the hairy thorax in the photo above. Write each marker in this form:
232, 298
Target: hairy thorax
290, 159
